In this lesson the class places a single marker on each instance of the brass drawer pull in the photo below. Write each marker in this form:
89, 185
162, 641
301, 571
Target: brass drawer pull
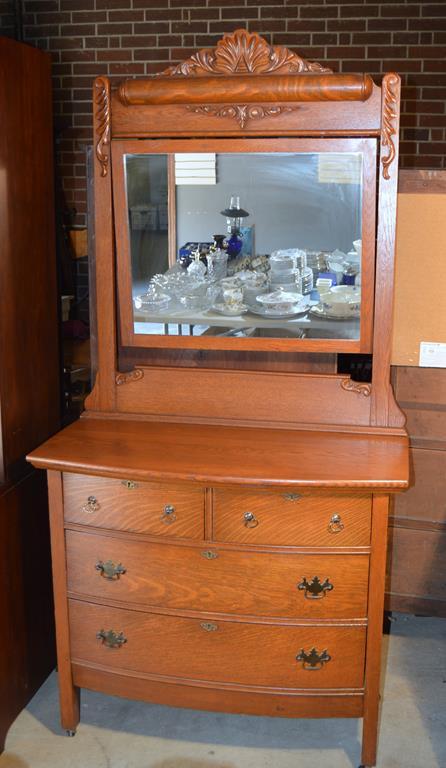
209, 555
209, 626
168, 515
109, 570
250, 520
91, 506
313, 660
130, 484
292, 496
315, 589
335, 525
110, 638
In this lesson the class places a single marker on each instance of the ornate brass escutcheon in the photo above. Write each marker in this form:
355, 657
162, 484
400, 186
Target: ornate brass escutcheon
250, 520
168, 515
315, 589
209, 626
110, 638
313, 660
91, 506
335, 525
292, 496
109, 570
209, 555
130, 484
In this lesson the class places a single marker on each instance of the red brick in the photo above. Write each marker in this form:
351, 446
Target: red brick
306, 25
126, 16
433, 10
439, 121
247, 13
115, 29
162, 14
318, 12
402, 10
138, 41
346, 25
152, 54
354, 11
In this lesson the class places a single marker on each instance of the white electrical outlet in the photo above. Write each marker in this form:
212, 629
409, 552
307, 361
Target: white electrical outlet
432, 354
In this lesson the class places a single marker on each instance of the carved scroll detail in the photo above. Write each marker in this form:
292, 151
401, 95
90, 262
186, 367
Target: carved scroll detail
355, 386
241, 112
243, 52
102, 120
126, 378
390, 85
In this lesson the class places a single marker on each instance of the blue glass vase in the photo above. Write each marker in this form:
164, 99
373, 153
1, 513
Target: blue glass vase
234, 245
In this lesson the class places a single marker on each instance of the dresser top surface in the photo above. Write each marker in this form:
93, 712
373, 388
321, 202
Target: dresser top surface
212, 454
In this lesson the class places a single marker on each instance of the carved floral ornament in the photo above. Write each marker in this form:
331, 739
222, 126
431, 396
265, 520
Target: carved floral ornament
390, 92
243, 52
102, 121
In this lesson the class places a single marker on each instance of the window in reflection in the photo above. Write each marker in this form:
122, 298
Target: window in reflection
261, 244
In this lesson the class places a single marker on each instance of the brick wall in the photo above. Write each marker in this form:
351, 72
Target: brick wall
138, 37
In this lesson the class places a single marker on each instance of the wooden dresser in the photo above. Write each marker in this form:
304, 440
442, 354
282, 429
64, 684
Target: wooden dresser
219, 514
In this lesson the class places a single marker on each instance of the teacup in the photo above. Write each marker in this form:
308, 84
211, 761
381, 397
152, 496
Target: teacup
233, 297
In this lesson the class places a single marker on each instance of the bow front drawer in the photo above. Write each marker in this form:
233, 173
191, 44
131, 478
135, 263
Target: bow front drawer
282, 656
309, 518
152, 508
206, 578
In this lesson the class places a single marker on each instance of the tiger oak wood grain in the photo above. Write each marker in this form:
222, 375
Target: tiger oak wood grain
249, 654
301, 522
138, 509
255, 583
326, 703
212, 454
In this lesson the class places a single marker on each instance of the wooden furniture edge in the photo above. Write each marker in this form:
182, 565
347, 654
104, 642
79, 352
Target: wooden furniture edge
218, 699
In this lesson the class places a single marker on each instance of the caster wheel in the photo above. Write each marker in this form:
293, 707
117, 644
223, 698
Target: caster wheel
70, 733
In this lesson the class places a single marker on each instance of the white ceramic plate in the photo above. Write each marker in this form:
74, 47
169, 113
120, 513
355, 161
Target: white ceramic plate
298, 309
320, 312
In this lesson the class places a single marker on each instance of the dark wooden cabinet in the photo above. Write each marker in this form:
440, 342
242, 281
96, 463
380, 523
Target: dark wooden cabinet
29, 363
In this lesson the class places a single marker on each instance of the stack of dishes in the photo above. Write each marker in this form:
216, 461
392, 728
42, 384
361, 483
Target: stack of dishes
284, 272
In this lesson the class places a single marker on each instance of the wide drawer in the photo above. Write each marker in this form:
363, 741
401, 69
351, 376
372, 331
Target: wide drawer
218, 651
153, 508
301, 519
217, 580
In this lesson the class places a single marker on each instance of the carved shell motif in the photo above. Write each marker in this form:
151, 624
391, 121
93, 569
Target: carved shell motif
243, 52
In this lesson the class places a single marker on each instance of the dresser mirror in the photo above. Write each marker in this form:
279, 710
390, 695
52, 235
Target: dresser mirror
245, 241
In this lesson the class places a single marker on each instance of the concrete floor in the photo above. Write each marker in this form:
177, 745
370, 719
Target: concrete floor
116, 733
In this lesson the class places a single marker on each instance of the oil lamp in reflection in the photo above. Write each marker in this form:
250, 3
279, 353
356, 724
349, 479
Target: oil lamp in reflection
234, 215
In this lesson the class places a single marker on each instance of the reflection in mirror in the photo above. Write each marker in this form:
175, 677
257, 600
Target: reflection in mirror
257, 244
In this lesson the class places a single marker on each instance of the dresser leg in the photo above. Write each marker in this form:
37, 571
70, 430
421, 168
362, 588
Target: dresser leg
69, 707
380, 509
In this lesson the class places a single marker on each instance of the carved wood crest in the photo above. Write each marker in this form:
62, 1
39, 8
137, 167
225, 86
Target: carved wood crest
390, 89
243, 52
102, 121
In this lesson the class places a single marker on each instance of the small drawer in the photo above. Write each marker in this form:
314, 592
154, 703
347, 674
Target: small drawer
273, 655
313, 519
282, 585
152, 508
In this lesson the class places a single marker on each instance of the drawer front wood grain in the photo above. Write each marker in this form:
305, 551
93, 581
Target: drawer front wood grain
255, 583
280, 518
152, 508
218, 651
